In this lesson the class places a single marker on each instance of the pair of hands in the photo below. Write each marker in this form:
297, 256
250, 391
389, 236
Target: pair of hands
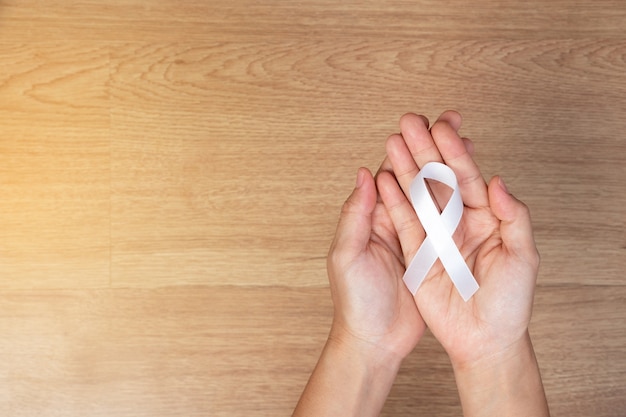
379, 233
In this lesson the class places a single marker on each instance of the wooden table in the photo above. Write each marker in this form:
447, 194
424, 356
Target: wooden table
171, 174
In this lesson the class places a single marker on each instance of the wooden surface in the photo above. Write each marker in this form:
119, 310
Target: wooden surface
171, 174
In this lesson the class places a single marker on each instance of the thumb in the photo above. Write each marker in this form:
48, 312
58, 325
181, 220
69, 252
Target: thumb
515, 225
355, 221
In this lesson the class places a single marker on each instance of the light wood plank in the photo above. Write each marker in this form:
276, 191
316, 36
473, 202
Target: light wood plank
191, 351
226, 351
255, 146
580, 341
54, 166
193, 155
249, 20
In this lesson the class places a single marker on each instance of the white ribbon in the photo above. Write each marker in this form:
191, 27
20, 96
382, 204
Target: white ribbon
439, 229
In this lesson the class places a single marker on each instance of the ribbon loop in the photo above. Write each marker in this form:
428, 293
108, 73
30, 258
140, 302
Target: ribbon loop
439, 229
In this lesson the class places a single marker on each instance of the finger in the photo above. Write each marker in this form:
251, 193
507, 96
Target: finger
452, 117
415, 132
404, 167
405, 170
515, 225
408, 227
355, 221
453, 149
420, 142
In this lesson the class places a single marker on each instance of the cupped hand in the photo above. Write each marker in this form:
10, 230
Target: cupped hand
372, 308
494, 236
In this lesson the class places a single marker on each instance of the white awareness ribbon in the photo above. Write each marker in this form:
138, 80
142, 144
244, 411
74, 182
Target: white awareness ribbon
439, 229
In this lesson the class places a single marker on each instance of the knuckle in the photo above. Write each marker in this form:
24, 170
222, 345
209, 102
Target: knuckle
471, 179
348, 207
407, 224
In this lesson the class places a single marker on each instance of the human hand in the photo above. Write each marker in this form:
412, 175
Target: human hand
494, 236
376, 322
373, 311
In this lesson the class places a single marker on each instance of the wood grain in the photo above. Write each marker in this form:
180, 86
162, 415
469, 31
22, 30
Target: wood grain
54, 166
171, 175
241, 128
227, 351
248, 20
578, 334
195, 351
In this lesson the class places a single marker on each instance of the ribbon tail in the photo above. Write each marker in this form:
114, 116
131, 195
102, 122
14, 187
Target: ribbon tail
459, 272
421, 263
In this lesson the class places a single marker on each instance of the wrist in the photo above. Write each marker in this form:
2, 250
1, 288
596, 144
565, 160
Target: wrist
370, 355
350, 377
505, 383
498, 358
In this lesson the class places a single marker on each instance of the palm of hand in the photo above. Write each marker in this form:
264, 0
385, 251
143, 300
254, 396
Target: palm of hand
465, 329
376, 307
494, 236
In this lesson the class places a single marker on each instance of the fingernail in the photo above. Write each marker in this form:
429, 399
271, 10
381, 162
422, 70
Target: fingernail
502, 185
